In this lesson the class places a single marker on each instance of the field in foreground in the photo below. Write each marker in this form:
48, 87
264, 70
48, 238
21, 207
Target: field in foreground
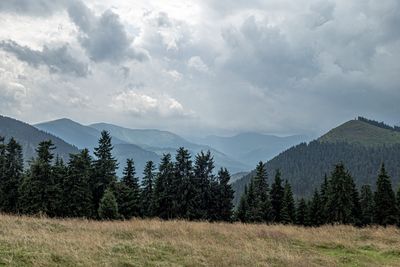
28, 241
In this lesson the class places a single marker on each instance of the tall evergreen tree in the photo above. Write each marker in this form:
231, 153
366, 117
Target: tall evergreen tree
398, 206
78, 200
288, 206
56, 189
261, 191
104, 168
11, 163
315, 210
324, 194
385, 206
35, 196
205, 202
148, 189
277, 192
127, 192
301, 212
108, 207
367, 205
243, 207
225, 196
163, 188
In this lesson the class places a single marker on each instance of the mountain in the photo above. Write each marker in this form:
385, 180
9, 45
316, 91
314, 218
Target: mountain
166, 142
250, 148
87, 137
29, 137
362, 146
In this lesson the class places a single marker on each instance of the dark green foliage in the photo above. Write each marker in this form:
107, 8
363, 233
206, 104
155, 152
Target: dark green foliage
385, 206
277, 192
314, 214
262, 201
367, 205
11, 165
163, 191
108, 207
148, 189
301, 212
56, 190
104, 167
398, 206
204, 183
324, 194
243, 207
127, 192
288, 207
37, 186
225, 196
78, 200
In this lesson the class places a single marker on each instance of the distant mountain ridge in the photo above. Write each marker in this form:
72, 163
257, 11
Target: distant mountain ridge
360, 145
29, 137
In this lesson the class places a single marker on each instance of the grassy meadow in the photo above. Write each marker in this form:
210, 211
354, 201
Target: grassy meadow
27, 241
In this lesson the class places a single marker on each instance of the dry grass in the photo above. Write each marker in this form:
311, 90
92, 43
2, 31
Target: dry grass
26, 241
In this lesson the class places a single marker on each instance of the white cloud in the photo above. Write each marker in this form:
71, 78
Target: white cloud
197, 63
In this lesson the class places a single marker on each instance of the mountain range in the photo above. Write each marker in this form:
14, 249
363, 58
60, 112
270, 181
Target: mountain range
362, 145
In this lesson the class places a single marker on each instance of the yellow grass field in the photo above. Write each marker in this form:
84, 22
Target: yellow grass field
26, 241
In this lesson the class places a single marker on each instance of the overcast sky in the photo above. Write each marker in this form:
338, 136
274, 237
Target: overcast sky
201, 67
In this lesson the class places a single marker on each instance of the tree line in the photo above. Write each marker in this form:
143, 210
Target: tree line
181, 188
337, 201
88, 187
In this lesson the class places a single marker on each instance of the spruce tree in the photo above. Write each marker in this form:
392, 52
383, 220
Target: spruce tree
205, 203
385, 205
78, 200
324, 194
108, 207
367, 205
277, 192
148, 189
127, 192
301, 212
11, 163
262, 203
243, 207
104, 168
288, 206
315, 210
356, 211
36, 187
56, 189
163, 188
226, 195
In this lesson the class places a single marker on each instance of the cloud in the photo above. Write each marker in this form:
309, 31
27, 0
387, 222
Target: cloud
197, 63
104, 37
34, 8
58, 60
141, 104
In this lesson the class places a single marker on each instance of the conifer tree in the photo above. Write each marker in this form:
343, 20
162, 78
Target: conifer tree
147, 189
385, 206
398, 206
356, 211
56, 189
277, 192
225, 196
108, 207
11, 164
324, 194
78, 200
315, 210
127, 192
205, 202
261, 191
243, 207
367, 205
301, 212
104, 168
35, 196
163, 188
288, 206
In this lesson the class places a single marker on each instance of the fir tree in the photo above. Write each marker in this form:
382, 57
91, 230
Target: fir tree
56, 189
108, 207
385, 206
301, 212
324, 193
11, 163
128, 192
277, 192
104, 168
35, 190
261, 191
204, 203
315, 210
288, 207
147, 189
225, 191
78, 200
243, 207
162, 199
367, 205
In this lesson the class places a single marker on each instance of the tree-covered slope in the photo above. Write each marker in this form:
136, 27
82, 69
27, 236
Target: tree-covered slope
29, 137
360, 145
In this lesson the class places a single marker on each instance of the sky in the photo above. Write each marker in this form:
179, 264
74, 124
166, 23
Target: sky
201, 67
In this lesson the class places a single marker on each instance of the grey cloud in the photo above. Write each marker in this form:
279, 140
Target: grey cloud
35, 8
58, 60
104, 38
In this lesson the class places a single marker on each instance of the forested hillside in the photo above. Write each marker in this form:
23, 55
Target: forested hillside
305, 165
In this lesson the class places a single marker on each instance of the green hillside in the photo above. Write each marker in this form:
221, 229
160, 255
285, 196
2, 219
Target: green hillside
363, 133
